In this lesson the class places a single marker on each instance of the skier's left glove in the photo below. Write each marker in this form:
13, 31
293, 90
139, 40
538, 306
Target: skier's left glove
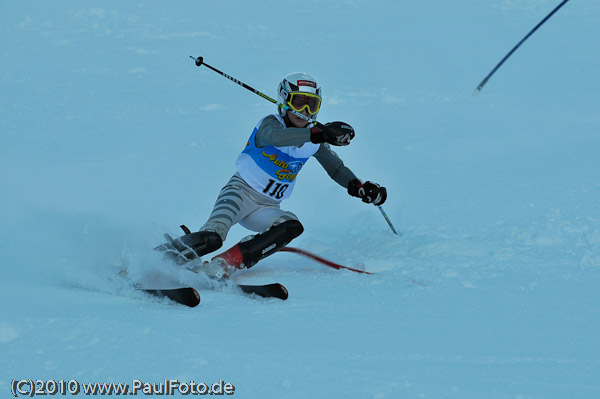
371, 193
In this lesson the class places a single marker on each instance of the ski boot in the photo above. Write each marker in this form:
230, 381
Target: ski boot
247, 253
190, 246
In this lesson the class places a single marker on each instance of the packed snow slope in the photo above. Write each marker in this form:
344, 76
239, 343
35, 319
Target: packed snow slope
110, 136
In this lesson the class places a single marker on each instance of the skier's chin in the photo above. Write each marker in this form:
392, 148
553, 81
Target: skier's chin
297, 122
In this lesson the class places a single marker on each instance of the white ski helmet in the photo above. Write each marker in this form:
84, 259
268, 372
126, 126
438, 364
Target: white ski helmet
298, 91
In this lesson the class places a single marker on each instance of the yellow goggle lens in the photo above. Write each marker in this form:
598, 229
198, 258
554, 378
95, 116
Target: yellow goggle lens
301, 101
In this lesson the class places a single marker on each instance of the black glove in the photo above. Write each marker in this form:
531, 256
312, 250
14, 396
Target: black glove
371, 193
335, 133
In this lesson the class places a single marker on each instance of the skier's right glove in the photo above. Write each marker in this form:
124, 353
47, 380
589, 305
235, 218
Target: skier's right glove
371, 193
335, 133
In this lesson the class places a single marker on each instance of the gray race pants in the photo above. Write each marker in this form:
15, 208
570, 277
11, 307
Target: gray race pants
239, 203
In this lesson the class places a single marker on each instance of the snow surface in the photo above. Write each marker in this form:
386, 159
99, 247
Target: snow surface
110, 136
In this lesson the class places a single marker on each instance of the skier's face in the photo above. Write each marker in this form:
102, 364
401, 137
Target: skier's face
298, 122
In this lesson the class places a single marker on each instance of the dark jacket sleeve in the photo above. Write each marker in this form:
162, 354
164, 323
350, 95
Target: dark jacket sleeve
334, 166
272, 132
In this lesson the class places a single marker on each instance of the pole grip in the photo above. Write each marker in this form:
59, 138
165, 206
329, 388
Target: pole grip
198, 60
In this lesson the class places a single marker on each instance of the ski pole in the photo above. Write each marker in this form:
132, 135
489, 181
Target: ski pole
387, 219
200, 61
484, 81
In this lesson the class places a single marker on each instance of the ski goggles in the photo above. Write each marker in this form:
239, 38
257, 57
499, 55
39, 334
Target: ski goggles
301, 101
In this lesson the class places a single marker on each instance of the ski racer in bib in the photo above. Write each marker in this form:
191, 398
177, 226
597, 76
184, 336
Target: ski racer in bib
267, 168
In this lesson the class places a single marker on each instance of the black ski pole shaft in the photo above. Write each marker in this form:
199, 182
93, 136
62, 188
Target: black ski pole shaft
484, 81
200, 61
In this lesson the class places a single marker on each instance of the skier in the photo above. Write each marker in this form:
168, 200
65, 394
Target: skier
267, 168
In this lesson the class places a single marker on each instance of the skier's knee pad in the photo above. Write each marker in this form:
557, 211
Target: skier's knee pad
269, 242
202, 242
294, 228
191, 246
